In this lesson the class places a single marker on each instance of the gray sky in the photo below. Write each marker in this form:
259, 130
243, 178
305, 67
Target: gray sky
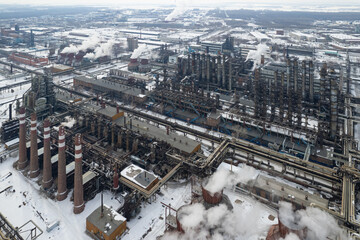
188, 3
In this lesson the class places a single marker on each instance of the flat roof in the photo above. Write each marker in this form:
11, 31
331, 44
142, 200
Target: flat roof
109, 222
54, 158
177, 141
88, 176
70, 167
138, 175
281, 188
113, 86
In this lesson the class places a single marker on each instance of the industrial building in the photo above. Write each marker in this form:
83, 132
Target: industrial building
280, 100
105, 223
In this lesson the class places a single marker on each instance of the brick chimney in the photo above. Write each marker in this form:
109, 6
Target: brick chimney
61, 182
22, 163
34, 159
79, 204
47, 175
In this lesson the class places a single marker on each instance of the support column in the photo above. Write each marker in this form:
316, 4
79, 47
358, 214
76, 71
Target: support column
47, 176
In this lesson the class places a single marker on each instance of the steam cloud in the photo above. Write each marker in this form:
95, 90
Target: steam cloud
247, 222
137, 52
102, 50
240, 223
90, 43
320, 224
255, 55
179, 10
224, 177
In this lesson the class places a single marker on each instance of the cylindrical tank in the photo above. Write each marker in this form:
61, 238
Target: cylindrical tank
116, 180
210, 197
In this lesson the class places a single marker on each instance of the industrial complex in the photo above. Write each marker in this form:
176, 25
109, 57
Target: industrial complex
179, 124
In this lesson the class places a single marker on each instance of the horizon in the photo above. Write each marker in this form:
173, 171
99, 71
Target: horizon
306, 5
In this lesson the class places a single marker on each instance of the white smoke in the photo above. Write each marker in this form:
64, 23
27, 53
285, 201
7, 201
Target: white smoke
255, 55
220, 223
192, 215
291, 236
142, 48
102, 50
179, 10
88, 44
71, 49
319, 224
70, 122
224, 177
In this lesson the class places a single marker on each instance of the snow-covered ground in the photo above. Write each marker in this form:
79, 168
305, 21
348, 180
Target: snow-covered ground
24, 202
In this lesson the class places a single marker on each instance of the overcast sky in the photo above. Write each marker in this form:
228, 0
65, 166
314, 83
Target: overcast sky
188, 3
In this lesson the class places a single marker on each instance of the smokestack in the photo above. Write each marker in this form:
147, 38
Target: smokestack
262, 59
22, 162
34, 159
116, 179
79, 204
61, 188
47, 177
127, 140
167, 130
117, 109
10, 111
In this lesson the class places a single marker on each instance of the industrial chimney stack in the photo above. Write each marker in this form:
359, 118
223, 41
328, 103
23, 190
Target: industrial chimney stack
47, 176
34, 159
61, 189
79, 204
22, 163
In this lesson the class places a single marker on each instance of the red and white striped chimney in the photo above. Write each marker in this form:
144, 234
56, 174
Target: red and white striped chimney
79, 204
22, 163
47, 174
61, 181
34, 158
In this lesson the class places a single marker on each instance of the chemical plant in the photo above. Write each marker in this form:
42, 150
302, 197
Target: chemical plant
179, 124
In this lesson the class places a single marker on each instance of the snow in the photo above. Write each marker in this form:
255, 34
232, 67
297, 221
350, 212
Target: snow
132, 171
25, 202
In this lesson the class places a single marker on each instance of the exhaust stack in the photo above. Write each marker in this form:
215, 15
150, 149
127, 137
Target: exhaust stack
34, 158
47, 176
79, 204
61, 188
22, 162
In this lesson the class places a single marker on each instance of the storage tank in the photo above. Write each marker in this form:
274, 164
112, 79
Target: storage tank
210, 197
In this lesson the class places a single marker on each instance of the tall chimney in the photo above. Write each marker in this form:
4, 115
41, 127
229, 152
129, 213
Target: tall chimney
47, 176
34, 159
22, 162
116, 179
61, 189
117, 108
79, 204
